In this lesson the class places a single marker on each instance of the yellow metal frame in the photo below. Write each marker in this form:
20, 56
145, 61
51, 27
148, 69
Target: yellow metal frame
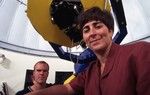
38, 14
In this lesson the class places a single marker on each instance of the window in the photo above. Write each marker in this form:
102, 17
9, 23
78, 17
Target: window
61, 76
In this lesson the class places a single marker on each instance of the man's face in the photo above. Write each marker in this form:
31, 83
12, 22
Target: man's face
40, 73
96, 35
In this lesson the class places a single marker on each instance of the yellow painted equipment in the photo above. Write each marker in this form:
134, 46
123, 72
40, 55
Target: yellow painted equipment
39, 16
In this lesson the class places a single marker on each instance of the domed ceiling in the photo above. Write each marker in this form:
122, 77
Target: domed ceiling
18, 34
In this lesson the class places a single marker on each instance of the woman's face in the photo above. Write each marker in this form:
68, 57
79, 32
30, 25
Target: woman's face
96, 35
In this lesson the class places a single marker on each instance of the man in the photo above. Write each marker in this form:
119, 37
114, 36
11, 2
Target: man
39, 77
118, 70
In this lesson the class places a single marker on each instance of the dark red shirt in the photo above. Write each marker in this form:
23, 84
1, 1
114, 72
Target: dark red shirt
127, 72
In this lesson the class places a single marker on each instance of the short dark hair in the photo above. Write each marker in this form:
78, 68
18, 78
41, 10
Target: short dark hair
95, 13
41, 62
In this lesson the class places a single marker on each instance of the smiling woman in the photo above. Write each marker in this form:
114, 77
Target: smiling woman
17, 33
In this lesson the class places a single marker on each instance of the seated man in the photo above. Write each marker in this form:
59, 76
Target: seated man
39, 77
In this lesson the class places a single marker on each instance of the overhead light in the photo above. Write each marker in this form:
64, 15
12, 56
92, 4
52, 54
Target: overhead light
2, 58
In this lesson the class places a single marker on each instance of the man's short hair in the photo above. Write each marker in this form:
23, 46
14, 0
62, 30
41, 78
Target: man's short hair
41, 62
